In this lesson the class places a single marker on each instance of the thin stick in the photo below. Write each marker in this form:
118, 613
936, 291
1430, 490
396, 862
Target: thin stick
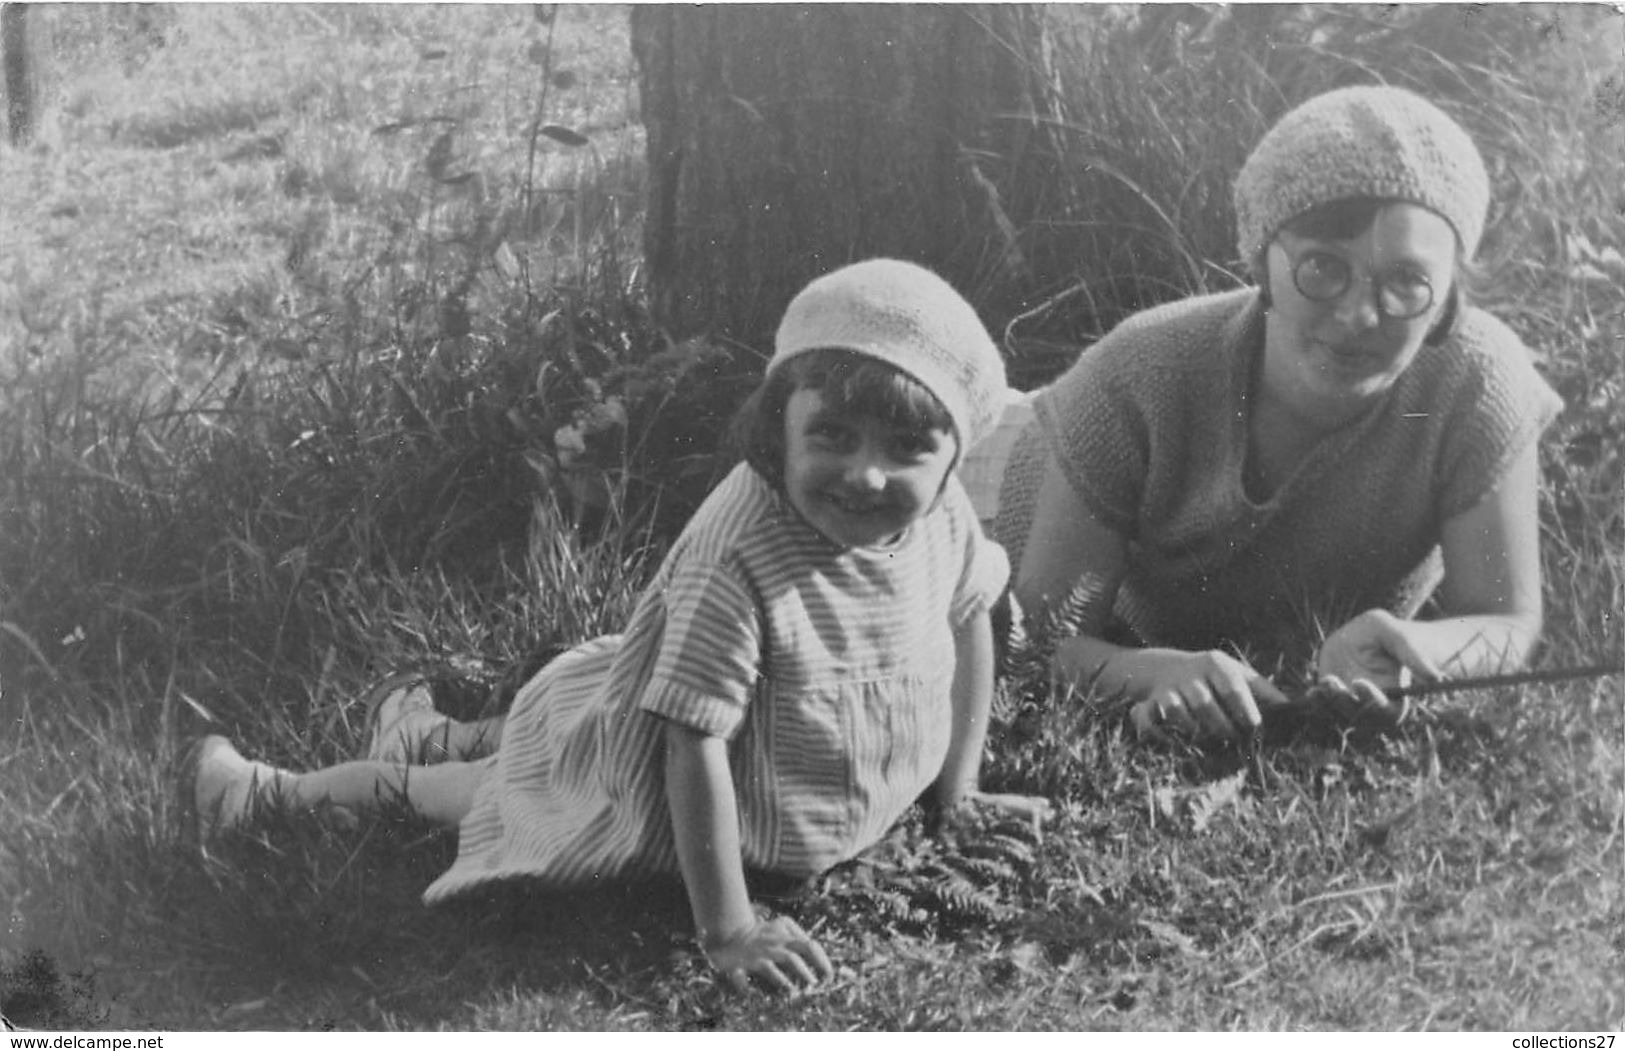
1424, 689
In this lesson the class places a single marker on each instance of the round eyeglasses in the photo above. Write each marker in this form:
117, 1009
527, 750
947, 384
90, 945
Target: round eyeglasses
1402, 293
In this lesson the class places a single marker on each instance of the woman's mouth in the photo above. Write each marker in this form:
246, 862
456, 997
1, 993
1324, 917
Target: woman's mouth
1348, 360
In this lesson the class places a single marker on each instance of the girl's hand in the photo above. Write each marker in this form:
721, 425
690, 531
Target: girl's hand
969, 807
1377, 647
1196, 695
775, 952
1033, 810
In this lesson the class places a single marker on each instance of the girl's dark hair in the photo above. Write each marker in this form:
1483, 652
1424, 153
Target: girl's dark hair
1348, 218
849, 383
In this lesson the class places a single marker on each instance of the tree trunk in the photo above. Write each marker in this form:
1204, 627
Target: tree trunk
785, 140
18, 60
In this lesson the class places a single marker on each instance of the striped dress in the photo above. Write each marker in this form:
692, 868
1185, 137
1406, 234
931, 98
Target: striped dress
827, 670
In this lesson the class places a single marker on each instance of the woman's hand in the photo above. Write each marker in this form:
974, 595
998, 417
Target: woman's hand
1376, 647
1202, 695
1359, 705
775, 952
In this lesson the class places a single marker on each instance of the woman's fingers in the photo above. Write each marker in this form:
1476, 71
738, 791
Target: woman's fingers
1376, 708
1235, 693
1171, 715
1146, 718
1379, 646
1399, 644
1201, 701
1266, 694
1358, 703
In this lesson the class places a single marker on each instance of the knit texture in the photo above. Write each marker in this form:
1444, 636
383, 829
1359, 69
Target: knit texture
1150, 427
910, 318
1377, 142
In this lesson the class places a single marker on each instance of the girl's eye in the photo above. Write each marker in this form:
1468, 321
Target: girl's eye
829, 434
914, 445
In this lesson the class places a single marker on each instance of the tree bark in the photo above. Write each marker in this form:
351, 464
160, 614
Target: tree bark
786, 140
18, 60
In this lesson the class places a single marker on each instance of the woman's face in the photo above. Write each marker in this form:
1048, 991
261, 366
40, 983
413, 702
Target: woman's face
1327, 359
857, 480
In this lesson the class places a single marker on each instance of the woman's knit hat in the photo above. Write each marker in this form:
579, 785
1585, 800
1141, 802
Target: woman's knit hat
911, 319
1379, 142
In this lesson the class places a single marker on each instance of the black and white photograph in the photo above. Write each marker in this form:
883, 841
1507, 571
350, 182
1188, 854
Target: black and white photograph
815, 518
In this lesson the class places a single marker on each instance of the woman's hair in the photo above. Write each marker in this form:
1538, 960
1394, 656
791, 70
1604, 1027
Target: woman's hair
850, 383
1346, 219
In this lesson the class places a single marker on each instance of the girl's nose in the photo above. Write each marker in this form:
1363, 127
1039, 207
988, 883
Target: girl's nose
864, 473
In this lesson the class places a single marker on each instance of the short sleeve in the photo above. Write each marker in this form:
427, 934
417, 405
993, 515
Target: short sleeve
1096, 432
709, 656
1500, 406
985, 569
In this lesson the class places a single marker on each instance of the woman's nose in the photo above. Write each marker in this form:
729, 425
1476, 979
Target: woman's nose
1357, 306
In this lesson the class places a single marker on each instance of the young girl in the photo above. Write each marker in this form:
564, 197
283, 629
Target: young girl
813, 655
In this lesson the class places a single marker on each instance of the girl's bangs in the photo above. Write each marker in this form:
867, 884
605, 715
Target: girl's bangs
861, 386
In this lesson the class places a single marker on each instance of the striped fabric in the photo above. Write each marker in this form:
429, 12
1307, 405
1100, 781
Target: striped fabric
827, 670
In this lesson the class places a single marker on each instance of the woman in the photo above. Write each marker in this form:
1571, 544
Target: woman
1223, 481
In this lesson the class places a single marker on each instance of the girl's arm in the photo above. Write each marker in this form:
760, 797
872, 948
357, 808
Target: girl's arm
1490, 595
1073, 559
972, 699
959, 782
705, 823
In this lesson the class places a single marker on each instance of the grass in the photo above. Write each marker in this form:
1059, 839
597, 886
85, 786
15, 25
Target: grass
288, 400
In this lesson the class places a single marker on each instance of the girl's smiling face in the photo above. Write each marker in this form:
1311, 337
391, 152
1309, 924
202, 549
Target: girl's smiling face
1326, 360
860, 481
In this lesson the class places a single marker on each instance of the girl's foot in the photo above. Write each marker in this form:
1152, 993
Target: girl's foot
403, 725
223, 784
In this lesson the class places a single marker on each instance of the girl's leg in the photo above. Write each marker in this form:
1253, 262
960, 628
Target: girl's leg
472, 740
405, 727
228, 786
442, 793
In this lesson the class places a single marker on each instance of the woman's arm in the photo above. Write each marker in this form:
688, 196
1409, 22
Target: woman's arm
1069, 552
705, 822
1074, 560
1490, 597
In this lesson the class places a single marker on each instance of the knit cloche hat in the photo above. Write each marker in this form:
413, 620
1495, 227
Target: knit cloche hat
1380, 142
913, 320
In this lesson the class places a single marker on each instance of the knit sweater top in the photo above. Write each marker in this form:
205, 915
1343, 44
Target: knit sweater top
1150, 427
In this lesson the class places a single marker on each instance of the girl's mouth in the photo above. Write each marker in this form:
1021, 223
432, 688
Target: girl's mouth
856, 508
